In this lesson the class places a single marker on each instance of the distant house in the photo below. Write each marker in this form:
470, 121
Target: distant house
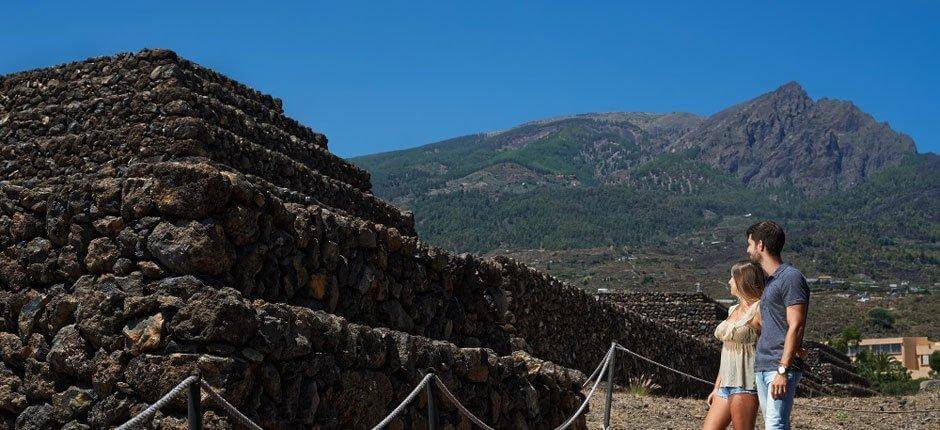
912, 352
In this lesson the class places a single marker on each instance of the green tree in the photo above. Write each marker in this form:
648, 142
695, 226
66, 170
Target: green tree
935, 361
849, 337
881, 317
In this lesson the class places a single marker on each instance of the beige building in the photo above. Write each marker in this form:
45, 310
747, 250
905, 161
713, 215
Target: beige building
912, 352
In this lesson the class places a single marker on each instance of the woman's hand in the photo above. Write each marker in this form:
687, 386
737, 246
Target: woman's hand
711, 396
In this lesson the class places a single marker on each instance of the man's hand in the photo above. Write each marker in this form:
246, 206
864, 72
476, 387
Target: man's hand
778, 388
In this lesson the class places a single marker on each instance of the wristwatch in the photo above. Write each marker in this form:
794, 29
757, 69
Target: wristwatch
782, 370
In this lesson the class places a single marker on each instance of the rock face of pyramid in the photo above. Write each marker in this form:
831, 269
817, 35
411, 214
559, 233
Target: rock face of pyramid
157, 218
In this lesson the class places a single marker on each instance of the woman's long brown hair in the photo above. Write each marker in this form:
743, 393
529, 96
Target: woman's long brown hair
749, 279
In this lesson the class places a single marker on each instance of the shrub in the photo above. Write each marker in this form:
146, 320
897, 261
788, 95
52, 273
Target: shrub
881, 317
642, 385
887, 375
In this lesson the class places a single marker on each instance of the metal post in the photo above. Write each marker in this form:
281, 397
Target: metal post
611, 368
432, 407
194, 409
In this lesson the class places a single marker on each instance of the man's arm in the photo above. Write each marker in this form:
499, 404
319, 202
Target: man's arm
796, 321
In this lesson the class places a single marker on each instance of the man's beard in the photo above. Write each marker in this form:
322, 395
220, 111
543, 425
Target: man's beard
755, 258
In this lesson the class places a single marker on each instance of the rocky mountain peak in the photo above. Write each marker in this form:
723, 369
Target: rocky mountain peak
785, 137
791, 89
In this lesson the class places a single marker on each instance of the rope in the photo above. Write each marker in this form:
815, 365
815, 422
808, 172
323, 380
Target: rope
596, 376
828, 408
152, 409
622, 348
577, 413
401, 407
228, 406
593, 374
460, 407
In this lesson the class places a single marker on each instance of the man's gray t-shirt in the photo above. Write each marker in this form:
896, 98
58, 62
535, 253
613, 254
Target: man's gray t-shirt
785, 287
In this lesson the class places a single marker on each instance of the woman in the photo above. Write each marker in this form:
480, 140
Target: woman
734, 399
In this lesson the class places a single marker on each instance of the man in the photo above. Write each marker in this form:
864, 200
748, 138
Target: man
783, 309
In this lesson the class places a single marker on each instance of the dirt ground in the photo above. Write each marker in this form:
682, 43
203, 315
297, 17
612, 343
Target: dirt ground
650, 412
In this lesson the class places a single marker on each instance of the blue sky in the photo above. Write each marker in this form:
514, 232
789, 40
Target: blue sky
378, 76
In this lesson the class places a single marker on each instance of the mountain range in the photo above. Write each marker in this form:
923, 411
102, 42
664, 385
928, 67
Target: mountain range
854, 194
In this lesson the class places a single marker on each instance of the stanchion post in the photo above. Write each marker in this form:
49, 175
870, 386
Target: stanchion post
432, 406
194, 408
611, 368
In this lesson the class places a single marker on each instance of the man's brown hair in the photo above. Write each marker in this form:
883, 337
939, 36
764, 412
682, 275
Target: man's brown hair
770, 233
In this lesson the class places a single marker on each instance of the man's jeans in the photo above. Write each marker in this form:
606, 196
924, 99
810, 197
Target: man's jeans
776, 412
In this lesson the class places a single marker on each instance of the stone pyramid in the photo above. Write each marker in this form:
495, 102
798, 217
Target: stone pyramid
157, 218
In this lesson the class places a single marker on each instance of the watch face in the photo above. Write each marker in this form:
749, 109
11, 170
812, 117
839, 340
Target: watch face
781, 370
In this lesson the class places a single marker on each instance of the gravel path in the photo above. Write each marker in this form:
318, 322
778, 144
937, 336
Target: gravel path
639, 412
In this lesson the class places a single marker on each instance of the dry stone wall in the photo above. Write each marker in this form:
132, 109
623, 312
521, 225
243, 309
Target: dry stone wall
692, 313
116, 288
564, 324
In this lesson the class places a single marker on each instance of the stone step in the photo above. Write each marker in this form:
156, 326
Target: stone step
54, 160
98, 73
169, 102
259, 111
144, 71
122, 342
224, 229
129, 279
372, 275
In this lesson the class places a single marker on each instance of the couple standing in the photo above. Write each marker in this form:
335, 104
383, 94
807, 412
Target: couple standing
761, 355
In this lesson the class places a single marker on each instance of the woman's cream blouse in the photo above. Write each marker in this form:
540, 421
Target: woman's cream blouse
739, 341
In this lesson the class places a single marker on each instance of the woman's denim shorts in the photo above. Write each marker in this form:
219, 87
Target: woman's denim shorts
725, 392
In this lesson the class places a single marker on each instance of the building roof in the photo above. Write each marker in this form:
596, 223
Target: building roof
892, 340
881, 341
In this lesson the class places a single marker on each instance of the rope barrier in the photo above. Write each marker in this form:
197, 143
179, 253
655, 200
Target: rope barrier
596, 377
828, 408
460, 407
587, 399
622, 348
593, 374
229, 407
401, 406
152, 409
602, 367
